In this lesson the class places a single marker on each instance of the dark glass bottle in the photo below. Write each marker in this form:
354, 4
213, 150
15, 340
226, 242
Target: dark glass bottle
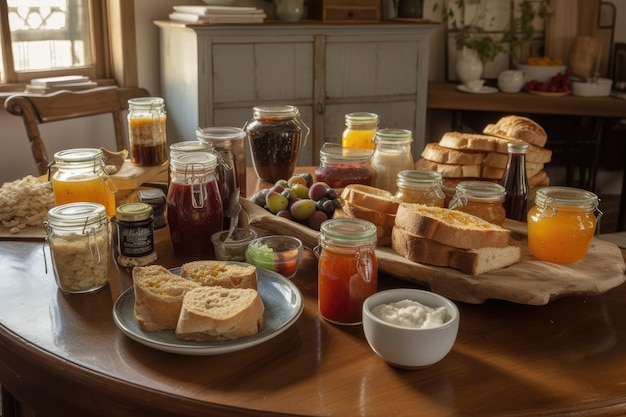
515, 182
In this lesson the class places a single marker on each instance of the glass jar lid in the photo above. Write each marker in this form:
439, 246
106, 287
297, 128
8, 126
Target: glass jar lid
77, 215
361, 119
146, 103
389, 136
334, 152
134, 212
78, 156
190, 146
217, 135
566, 197
485, 191
278, 112
348, 232
419, 179
202, 162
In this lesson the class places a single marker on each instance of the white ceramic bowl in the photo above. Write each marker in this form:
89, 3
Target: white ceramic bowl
600, 88
542, 73
405, 347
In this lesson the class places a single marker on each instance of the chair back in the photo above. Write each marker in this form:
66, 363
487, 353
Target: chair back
36, 109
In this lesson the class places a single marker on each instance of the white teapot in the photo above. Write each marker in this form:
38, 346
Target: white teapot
289, 10
511, 81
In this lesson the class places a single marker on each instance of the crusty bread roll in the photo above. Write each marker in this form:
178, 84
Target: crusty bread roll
158, 297
223, 274
217, 313
520, 128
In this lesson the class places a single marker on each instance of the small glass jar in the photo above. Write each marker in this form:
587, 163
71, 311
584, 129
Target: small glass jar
276, 135
483, 199
347, 269
360, 130
194, 206
156, 198
421, 187
78, 235
80, 176
147, 131
562, 224
135, 235
392, 155
340, 166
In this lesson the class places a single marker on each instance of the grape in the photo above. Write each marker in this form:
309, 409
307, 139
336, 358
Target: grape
296, 179
282, 183
302, 209
302, 191
285, 214
331, 194
317, 191
316, 219
258, 198
276, 202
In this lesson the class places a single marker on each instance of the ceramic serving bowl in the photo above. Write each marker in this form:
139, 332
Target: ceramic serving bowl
409, 347
233, 249
277, 253
600, 88
542, 73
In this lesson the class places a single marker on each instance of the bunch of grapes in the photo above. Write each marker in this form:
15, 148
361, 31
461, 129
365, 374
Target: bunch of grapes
560, 83
299, 199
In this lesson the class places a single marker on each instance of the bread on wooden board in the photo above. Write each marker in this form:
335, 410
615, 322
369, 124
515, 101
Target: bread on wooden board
540, 179
470, 261
373, 198
223, 274
449, 170
518, 127
436, 153
218, 313
158, 297
451, 227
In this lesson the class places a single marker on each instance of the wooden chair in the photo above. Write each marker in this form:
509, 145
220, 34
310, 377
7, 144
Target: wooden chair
36, 109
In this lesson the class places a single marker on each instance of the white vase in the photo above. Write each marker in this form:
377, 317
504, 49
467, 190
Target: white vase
468, 66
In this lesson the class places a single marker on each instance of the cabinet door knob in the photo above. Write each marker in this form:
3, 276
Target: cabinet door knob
319, 107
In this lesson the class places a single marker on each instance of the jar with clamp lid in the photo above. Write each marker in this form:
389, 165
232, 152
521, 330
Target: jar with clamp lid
147, 131
483, 199
340, 166
360, 130
79, 240
194, 206
135, 234
421, 187
347, 269
562, 223
392, 155
80, 176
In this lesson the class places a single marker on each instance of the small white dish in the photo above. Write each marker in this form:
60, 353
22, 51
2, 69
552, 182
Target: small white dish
484, 90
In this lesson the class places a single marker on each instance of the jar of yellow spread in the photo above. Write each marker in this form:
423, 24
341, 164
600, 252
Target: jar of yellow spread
360, 130
421, 187
147, 131
562, 224
483, 199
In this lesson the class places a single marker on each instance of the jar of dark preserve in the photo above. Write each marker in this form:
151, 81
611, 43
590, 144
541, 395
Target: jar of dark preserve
276, 135
147, 131
341, 166
194, 205
228, 142
135, 235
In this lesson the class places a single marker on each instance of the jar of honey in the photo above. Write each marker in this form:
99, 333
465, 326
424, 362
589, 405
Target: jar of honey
392, 155
347, 269
80, 176
483, 199
341, 166
146, 131
194, 206
421, 187
360, 130
562, 224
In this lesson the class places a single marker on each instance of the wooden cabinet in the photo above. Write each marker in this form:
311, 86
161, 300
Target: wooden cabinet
215, 75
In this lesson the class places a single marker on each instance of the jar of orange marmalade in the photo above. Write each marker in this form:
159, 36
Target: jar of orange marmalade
421, 187
562, 224
483, 199
146, 131
347, 269
360, 130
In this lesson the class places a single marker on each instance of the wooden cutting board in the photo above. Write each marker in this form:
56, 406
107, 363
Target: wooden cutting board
530, 281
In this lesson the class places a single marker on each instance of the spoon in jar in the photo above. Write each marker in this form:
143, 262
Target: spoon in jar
233, 211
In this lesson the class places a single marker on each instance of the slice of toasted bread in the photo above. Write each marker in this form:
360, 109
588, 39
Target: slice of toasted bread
474, 142
383, 233
437, 153
373, 198
220, 273
449, 170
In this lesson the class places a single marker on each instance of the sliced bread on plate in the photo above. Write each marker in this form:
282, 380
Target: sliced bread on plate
218, 273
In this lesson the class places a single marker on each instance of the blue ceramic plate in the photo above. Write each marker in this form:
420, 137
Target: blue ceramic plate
283, 305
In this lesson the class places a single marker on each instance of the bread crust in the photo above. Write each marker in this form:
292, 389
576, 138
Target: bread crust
449, 170
218, 273
373, 198
519, 128
436, 153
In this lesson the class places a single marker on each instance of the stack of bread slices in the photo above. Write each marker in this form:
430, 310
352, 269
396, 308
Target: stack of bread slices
483, 156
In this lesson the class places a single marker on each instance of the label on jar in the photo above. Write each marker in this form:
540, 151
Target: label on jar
135, 239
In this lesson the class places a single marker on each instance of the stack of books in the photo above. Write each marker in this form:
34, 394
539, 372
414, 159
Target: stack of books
217, 14
64, 82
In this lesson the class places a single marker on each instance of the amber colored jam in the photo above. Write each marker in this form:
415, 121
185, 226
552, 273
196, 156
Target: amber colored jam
341, 175
275, 146
425, 196
492, 211
91, 190
191, 226
148, 155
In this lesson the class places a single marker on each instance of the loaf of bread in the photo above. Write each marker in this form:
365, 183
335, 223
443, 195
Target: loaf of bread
217, 313
158, 297
518, 128
223, 274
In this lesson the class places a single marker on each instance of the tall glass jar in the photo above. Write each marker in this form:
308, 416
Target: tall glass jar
421, 187
194, 205
392, 155
147, 131
229, 143
347, 270
341, 166
483, 199
276, 135
360, 130
78, 235
562, 224
80, 176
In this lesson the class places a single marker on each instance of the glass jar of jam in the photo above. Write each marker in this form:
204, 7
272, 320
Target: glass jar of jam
340, 166
80, 176
276, 135
483, 199
562, 224
421, 187
360, 130
347, 269
146, 131
135, 234
194, 206
78, 235
392, 155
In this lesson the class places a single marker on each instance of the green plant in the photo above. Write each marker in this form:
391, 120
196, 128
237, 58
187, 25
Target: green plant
523, 29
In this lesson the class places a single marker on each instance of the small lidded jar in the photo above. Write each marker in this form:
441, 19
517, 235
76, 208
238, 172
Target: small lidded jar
421, 187
147, 131
347, 269
562, 224
483, 199
340, 166
360, 130
392, 155
135, 235
78, 235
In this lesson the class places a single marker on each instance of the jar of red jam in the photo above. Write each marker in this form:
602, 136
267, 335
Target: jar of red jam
347, 269
483, 199
276, 135
340, 166
420, 187
146, 131
194, 205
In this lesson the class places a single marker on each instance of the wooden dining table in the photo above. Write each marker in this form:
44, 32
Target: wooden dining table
63, 355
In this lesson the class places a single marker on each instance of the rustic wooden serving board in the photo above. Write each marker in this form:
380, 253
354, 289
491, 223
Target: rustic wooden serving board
530, 281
